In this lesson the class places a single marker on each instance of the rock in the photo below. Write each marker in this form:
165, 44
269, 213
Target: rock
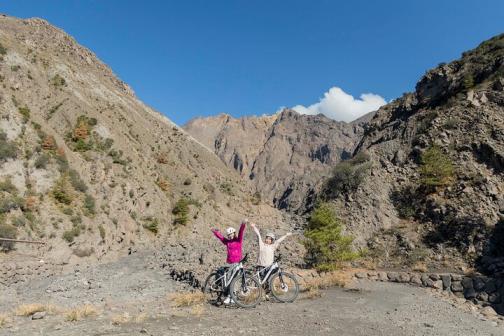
38, 315
403, 277
438, 284
361, 275
446, 278
488, 312
456, 286
416, 279
490, 286
393, 276
469, 293
467, 283
434, 276
494, 298
456, 277
483, 296
478, 284
382, 276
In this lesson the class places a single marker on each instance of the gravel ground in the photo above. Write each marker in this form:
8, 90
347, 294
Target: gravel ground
371, 308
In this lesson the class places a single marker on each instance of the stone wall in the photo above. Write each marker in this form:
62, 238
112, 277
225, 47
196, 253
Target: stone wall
481, 290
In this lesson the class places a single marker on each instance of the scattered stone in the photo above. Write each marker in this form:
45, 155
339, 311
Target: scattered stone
38, 315
446, 278
488, 312
361, 275
457, 286
393, 276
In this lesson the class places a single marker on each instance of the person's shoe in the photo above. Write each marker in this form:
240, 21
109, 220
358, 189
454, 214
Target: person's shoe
228, 300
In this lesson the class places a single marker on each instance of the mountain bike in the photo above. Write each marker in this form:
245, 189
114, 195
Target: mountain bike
245, 290
282, 285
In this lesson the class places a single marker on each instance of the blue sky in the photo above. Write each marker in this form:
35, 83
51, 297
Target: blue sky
196, 58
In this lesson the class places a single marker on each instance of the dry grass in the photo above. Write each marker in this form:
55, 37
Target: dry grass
197, 310
187, 299
79, 313
312, 293
32, 308
140, 318
420, 267
120, 319
4, 319
339, 278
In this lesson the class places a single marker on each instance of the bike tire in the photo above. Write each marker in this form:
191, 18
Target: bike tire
241, 297
211, 292
293, 286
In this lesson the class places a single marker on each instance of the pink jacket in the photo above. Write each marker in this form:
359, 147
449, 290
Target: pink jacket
234, 246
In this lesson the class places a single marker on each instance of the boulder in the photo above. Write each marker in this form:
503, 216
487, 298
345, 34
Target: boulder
393, 276
488, 312
467, 283
416, 279
456, 286
446, 278
469, 293
404, 277
438, 284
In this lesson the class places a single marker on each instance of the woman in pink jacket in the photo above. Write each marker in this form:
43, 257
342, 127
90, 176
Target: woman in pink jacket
233, 244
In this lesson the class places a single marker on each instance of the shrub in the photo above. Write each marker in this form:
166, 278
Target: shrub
49, 143
451, 123
181, 211
42, 161
15, 68
10, 203
102, 231
25, 112
77, 183
226, 187
8, 149
405, 200
3, 50
468, 82
10, 232
53, 110
348, 175
436, 168
7, 186
152, 224
70, 235
89, 204
58, 81
163, 184
61, 191
326, 245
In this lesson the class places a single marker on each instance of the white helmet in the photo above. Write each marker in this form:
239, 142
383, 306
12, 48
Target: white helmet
230, 230
271, 235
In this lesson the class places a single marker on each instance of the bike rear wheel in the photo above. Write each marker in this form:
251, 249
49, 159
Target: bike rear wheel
284, 287
245, 291
213, 288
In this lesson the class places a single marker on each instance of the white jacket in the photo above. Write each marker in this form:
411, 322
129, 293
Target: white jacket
267, 251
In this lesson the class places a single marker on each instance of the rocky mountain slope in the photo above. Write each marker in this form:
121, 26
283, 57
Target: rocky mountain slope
88, 168
284, 156
434, 183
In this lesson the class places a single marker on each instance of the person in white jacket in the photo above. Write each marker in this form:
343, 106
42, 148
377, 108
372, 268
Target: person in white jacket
268, 247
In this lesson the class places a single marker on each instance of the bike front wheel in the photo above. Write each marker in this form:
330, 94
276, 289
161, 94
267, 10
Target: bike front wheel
245, 291
284, 287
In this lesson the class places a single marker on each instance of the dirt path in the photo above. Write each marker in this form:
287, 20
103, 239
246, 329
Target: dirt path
374, 309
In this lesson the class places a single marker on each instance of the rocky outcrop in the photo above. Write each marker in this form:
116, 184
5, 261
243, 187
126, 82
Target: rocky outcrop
459, 108
92, 171
285, 156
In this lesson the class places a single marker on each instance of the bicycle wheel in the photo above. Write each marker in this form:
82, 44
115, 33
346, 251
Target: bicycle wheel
284, 287
245, 291
213, 288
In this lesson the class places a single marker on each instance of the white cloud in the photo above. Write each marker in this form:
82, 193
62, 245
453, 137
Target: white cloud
339, 105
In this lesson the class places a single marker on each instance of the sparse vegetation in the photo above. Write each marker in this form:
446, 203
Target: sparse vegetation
181, 211
42, 161
8, 149
326, 245
89, 204
348, 175
187, 299
226, 187
58, 81
7, 186
151, 224
10, 232
78, 313
436, 168
25, 112
11, 203
101, 229
29, 309
71, 234
468, 82
61, 191
3, 50
77, 183
163, 184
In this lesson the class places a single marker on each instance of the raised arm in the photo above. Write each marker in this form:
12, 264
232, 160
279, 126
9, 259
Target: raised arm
256, 230
241, 231
279, 240
218, 235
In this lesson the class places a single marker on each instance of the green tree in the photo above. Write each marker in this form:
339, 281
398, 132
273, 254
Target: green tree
326, 245
436, 169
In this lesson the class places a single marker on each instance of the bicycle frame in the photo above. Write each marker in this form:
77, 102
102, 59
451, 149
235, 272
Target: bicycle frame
270, 269
226, 278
